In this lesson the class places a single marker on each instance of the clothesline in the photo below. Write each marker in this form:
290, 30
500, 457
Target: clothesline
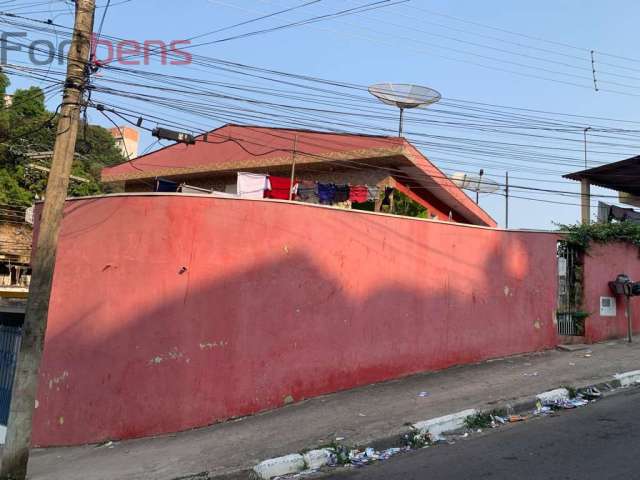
258, 186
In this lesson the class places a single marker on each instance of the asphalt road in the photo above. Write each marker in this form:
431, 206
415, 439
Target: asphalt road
600, 441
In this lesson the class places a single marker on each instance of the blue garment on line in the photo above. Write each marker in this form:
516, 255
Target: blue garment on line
166, 186
326, 193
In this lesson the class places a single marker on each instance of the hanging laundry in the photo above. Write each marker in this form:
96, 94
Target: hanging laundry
326, 193
342, 193
280, 188
358, 194
252, 185
307, 191
386, 201
624, 214
373, 193
346, 205
184, 188
166, 186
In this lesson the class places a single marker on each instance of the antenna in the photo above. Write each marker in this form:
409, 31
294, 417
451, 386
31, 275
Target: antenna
403, 95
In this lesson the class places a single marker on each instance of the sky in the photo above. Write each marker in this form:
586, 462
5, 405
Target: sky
527, 55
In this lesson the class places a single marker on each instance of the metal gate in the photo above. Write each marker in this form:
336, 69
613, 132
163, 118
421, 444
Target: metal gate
9, 347
570, 318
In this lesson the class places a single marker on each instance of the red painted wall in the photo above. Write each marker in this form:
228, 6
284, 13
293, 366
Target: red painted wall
173, 312
602, 264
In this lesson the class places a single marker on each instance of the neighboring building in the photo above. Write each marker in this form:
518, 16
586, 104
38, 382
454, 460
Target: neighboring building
213, 162
127, 140
621, 177
15, 269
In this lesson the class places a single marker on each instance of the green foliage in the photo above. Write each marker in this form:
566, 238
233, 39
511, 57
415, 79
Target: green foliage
27, 103
11, 192
4, 83
484, 419
403, 205
580, 236
416, 438
341, 453
478, 420
26, 127
573, 393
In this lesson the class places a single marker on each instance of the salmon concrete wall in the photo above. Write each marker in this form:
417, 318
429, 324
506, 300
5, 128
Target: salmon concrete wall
603, 263
173, 312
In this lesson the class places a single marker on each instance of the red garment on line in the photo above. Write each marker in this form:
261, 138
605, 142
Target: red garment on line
358, 194
280, 188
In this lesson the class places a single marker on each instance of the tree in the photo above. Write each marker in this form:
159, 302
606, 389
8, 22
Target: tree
11, 192
26, 127
27, 103
4, 116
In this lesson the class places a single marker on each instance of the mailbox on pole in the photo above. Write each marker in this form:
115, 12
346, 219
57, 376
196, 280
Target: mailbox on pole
624, 286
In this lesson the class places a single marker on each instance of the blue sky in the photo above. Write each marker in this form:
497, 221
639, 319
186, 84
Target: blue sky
445, 45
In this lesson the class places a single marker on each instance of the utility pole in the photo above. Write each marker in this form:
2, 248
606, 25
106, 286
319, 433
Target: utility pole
585, 146
506, 200
16, 451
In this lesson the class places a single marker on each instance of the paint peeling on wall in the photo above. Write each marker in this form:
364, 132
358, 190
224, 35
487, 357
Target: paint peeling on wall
173, 354
214, 344
58, 380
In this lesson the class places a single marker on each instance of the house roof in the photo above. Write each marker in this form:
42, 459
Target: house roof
621, 176
238, 147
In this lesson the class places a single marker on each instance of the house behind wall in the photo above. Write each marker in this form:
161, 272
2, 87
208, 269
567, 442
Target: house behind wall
15, 247
15, 271
215, 159
226, 182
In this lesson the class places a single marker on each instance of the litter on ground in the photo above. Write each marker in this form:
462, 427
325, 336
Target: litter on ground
516, 418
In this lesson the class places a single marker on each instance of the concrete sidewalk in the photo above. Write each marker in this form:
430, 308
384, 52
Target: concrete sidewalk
360, 416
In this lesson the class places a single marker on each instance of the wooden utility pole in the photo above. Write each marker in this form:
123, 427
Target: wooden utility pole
16, 451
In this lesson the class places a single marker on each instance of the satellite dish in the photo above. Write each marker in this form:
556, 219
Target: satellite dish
460, 179
475, 183
403, 95
482, 185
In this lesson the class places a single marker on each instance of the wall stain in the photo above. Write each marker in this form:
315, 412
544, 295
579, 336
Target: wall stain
212, 345
173, 354
58, 380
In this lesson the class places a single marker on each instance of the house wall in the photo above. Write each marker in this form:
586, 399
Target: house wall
360, 176
15, 247
602, 264
15, 240
169, 312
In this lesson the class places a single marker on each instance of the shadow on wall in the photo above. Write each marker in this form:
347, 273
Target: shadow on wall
170, 313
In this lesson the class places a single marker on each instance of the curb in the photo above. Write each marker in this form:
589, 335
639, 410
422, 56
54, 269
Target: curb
628, 378
446, 423
436, 426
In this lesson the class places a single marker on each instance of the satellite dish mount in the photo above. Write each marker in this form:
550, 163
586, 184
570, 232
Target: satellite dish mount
404, 96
